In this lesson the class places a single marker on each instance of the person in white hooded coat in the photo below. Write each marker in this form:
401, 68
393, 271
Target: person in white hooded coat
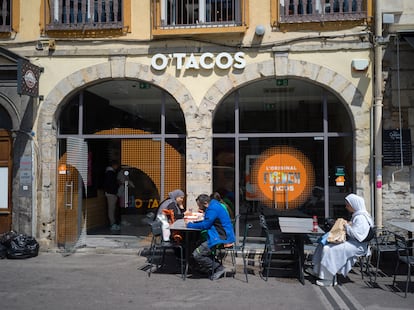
330, 259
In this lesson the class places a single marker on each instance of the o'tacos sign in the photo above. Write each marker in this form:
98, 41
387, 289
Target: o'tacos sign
283, 176
207, 61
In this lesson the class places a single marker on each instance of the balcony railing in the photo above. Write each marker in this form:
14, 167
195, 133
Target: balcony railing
173, 14
85, 14
5, 15
294, 11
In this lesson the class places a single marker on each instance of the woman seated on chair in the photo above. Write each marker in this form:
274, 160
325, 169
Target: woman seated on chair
330, 259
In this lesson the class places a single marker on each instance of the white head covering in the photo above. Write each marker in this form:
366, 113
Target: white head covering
358, 204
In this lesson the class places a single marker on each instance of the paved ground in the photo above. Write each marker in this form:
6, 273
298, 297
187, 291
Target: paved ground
89, 280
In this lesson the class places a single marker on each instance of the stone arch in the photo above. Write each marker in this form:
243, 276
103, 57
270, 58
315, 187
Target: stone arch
333, 81
116, 68
281, 66
11, 109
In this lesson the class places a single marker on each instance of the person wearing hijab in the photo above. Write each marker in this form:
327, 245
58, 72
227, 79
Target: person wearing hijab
174, 207
330, 259
174, 202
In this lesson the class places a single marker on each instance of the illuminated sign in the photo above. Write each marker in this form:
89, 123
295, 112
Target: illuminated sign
283, 176
207, 61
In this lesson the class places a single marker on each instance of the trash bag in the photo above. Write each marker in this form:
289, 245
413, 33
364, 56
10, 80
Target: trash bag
7, 237
22, 246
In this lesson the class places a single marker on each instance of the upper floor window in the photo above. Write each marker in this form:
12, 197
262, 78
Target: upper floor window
85, 14
292, 11
173, 14
5, 15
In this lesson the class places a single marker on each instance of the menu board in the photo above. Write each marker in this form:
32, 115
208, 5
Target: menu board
392, 143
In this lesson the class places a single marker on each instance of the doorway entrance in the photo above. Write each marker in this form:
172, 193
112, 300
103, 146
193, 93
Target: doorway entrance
136, 124
5, 181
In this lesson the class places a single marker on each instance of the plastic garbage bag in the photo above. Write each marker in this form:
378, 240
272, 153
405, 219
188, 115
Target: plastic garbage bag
22, 246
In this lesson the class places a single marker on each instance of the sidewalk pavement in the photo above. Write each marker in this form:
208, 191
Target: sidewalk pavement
113, 277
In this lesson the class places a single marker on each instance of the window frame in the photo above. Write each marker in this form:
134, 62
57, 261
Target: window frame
85, 29
201, 28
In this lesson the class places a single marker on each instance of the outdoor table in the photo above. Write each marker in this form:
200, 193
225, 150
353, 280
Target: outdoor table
299, 228
405, 225
189, 235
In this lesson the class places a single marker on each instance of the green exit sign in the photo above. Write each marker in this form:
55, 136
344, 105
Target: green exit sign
282, 82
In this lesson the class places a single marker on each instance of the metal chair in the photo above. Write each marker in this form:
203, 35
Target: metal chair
242, 248
159, 246
221, 251
279, 253
404, 252
383, 242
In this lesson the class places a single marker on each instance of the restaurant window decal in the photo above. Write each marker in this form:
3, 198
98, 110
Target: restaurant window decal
282, 177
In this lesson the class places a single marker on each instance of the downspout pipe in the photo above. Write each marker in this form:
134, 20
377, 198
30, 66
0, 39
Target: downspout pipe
378, 81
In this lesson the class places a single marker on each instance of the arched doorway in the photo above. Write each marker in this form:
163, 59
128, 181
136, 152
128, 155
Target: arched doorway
289, 144
133, 122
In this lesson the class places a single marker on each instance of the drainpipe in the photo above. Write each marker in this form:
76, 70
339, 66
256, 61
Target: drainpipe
378, 114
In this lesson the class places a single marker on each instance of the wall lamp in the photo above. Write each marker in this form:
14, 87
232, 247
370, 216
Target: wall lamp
260, 30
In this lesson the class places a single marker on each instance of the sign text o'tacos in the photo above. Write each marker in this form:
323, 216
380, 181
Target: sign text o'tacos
205, 61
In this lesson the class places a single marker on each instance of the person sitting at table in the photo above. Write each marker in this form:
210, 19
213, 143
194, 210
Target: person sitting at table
174, 202
217, 197
170, 210
219, 229
330, 259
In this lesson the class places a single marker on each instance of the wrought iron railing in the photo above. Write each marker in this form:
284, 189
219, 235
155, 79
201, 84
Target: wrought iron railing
297, 11
84, 14
173, 14
5, 15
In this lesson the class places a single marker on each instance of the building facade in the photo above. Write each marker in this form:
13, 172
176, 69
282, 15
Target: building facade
270, 103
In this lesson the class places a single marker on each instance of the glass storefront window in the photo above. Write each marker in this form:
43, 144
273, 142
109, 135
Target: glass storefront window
223, 121
285, 105
136, 124
292, 141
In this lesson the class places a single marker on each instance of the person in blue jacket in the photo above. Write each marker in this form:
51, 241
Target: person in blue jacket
219, 229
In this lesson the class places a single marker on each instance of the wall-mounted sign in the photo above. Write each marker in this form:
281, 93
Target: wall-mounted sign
27, 78
207, 61
283, 176
396, 147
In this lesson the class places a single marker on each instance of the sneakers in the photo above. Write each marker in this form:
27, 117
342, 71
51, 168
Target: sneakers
219, 272
326, 282
311, 272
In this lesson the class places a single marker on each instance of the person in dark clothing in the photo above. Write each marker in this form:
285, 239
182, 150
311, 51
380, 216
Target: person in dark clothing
219, 228
111, 190
174, 202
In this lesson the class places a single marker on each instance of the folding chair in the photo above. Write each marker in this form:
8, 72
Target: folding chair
405, 257
159, 246
279, 253
242, 249
221, 251
384, 242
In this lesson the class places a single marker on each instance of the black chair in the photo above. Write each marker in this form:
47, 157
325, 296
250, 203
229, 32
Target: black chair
364, 262
279, 254
383, 242
159, 247
221, 251
242, 248
404, 252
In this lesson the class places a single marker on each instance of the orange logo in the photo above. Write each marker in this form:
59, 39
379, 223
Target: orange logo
284, 176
